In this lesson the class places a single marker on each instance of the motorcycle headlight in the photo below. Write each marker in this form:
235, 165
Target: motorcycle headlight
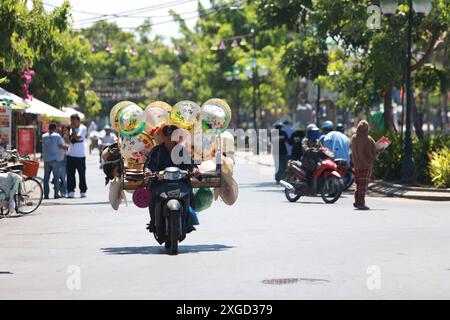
172, 175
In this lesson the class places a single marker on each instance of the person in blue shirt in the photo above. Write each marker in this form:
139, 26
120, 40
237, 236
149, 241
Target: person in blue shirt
52, 143
327, 126
339, 143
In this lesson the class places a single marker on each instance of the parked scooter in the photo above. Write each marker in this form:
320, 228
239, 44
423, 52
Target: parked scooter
325, 181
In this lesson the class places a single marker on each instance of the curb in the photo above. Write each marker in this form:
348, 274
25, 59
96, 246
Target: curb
416, 193
411, 188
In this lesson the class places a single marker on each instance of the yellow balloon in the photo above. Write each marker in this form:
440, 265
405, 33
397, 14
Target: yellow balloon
185, 114
114, 113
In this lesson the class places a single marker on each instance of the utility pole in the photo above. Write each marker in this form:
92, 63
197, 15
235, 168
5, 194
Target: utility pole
408, 166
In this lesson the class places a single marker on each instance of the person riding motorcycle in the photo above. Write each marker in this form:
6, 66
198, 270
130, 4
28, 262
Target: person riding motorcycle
161, 158
340, 127
311, 150
327, 127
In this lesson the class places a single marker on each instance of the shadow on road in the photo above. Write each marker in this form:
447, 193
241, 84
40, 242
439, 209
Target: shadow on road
45, 204
257, 185
161, 250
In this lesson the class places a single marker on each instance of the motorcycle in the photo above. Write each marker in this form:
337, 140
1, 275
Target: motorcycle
172, 203
347, 173
94, 138
325, 181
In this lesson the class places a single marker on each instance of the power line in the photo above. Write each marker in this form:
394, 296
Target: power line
128, 13
207, 13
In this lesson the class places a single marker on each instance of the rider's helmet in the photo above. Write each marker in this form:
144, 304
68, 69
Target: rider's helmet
278, 125
340, 127
312, 132
327, 126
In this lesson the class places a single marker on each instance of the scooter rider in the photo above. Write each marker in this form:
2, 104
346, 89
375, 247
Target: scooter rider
159, 159
327, 126
310, 150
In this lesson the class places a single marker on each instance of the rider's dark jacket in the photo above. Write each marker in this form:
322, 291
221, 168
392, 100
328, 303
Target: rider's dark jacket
310, 153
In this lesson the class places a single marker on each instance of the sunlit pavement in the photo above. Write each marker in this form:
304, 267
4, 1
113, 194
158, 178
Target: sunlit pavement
262, 248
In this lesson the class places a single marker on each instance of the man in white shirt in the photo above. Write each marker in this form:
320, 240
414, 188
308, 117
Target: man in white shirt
76, 157
107, 137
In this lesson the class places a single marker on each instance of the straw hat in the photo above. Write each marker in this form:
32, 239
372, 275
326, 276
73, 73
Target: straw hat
230, 190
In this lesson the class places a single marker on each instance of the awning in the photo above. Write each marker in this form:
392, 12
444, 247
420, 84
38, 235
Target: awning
42, 108
11, 101
70, 111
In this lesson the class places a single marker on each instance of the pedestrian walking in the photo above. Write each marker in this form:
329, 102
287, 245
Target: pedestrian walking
76, 157
289, 131
281, 157
52, 144
64, 132
364, 153
296, 142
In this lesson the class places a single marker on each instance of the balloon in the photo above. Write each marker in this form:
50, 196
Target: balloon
135, 149
203, 145
156, 115
142, 197
227, 142
131, 121
203, 199
185, 114
215, 114
114, 113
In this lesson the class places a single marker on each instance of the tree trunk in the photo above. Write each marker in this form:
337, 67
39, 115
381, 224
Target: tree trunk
387, 115
428, 112
417, 121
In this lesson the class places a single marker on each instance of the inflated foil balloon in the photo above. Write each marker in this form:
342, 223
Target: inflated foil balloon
185, 114
227, 142
131, 121
203, 199
215, 114
156, 115
114, 113
209, 144
135, 149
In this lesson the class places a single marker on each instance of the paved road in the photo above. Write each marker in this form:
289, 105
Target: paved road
400, 249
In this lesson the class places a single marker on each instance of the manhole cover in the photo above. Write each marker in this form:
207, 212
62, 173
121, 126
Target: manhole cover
291, 281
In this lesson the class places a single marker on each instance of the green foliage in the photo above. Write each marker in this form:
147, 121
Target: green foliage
304, 58
440, 168
389, 163
61, 59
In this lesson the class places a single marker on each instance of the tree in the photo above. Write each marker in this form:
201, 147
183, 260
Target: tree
377, 55
45, 41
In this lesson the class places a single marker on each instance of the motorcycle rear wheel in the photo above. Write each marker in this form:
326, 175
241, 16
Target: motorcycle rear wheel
172, 246
292, 195
331, 190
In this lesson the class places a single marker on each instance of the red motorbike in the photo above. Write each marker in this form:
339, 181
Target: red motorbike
346, 171
325, 181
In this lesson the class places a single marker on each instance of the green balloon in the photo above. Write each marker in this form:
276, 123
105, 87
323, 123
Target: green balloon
203, 199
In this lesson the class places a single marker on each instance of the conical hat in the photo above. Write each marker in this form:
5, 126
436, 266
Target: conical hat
227, 165
230, 190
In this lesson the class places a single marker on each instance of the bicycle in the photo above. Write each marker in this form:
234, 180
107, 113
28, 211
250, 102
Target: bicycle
30, 192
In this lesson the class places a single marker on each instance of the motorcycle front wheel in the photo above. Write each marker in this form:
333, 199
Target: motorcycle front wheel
292, 195
331, 189
172, 246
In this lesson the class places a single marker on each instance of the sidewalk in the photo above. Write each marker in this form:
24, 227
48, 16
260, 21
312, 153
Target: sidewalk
419, 193
379, 186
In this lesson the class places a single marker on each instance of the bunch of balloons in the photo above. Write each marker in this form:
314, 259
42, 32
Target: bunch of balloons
139, 128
